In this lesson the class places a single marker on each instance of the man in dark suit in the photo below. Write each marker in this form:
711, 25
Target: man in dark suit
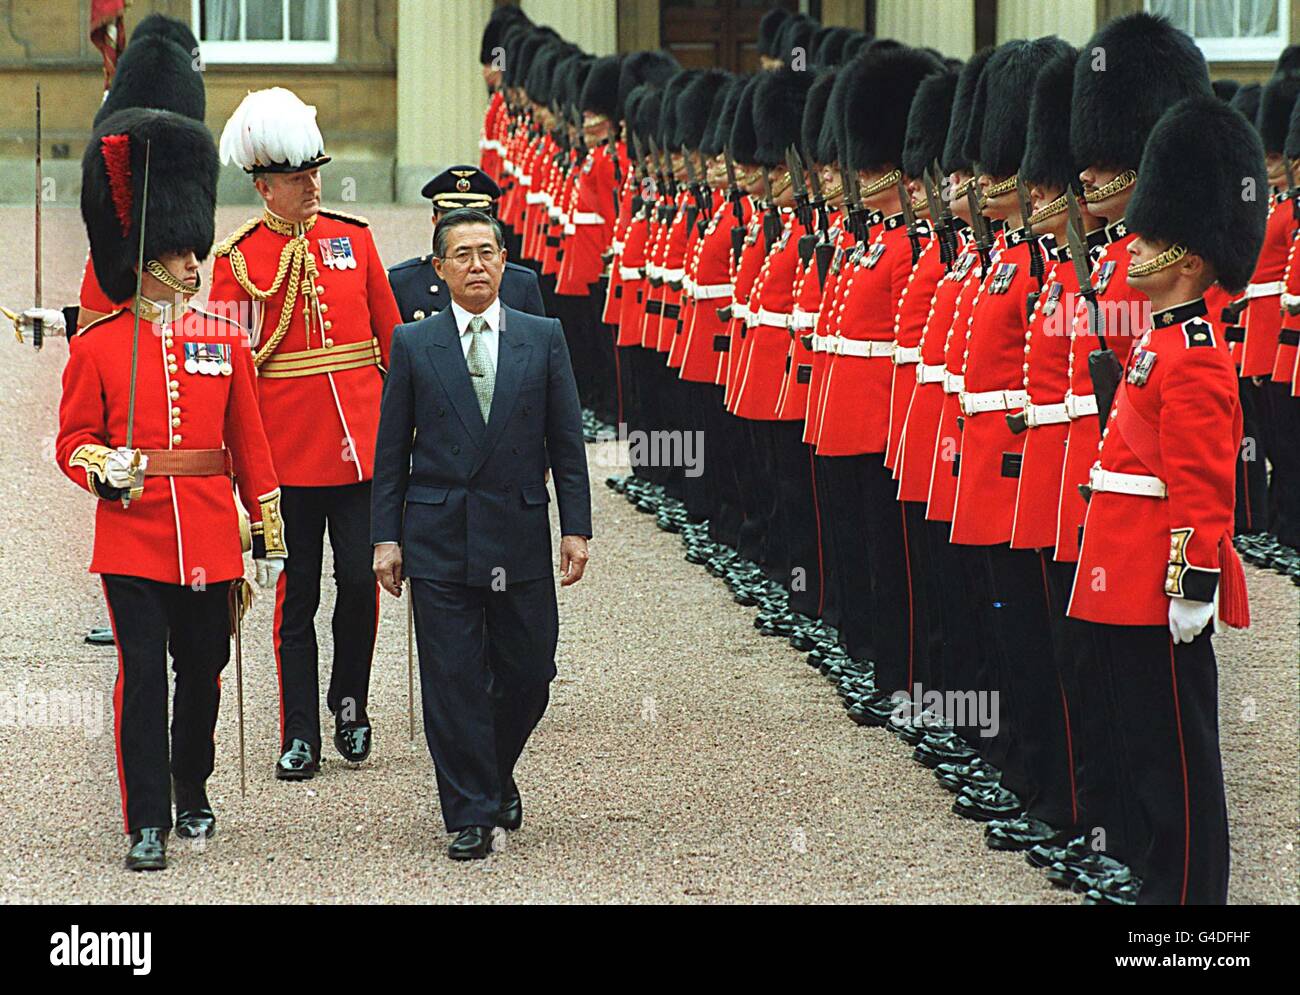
419, 290
478, 400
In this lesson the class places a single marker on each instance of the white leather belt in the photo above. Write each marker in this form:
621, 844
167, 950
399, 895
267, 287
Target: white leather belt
1045, 414
616, 246
953, 383
1080, 405
709, 291
670, 275
1290, 300
1265, 289
629, 273
775, 319
864, 348
930, 372
569, 229
992, 400
824, 343
586, 218
533, 198
653, 270
740, 311
1138, 484
525, 180
800, 320
906, 355
508, 168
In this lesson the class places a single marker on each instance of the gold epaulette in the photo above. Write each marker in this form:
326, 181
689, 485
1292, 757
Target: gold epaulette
237, 236
356, 219
99, 321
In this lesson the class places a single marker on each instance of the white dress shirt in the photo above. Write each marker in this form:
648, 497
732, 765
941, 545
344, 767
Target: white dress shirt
491, 338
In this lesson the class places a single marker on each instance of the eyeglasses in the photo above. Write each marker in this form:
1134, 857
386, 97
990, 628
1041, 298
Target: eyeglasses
463, 257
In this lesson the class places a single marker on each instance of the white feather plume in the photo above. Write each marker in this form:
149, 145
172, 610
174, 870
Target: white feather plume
271, 126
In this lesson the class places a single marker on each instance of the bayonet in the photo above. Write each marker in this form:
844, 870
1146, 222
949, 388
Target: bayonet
853, 194
980, 226
695, 207
909, 216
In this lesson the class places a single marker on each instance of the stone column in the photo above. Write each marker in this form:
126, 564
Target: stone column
591, 24
1073, 21
948, 25
440, 93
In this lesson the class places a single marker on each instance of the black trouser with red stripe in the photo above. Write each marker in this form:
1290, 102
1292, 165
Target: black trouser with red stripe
796, 515
890, 605
1252, 505
1166, 723
308, 512
151, 620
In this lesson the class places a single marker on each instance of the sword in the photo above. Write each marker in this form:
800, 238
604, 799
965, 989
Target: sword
38, 331
133, 490
1104, 367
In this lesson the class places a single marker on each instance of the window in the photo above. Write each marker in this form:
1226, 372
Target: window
1231, 30
267, 30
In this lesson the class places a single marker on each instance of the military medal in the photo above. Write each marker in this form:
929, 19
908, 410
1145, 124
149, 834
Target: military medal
1142, 364
874, 255
191, 357
326, 253
1104, 273
1052, 299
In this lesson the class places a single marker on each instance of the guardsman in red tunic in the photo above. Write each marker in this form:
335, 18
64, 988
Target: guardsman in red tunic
492, 57
311, 289
1157, 563
159, 449
873, 96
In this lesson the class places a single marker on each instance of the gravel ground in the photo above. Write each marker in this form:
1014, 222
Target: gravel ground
684, 757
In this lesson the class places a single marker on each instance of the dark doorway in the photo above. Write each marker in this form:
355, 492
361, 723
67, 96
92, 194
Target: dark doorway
703, 33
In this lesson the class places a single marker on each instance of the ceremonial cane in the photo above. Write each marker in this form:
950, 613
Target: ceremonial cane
410, 662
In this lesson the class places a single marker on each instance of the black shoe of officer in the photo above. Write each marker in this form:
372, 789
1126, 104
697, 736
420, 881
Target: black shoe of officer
100, 635
512, 810
194, 816
471, 843
352, 740
148, 850
1021, 833
297, 763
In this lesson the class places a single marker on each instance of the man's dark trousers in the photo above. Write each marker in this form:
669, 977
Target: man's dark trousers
486, 666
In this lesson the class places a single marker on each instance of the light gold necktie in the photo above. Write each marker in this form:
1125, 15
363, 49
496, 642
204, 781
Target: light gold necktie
481, 374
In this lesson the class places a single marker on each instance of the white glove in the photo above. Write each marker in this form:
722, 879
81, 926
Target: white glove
1188, 618
117, 468
268, 571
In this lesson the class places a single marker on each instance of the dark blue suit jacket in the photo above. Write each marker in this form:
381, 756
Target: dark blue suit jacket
420, 292
465, 498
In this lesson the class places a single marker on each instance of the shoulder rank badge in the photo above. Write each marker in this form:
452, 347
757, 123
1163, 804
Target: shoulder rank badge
1104, 272
873, 257
1143, 362
1003, 274
1198, 333
336, 253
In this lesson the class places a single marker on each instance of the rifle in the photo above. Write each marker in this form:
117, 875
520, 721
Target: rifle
803, 207
638, 201
1104, 367
945, 210
909, 215
694, 208
1036, 267
771, 217
736, 196
857, 222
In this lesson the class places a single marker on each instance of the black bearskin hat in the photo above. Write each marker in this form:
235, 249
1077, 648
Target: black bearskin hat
643, 67
1002, 104
494, 31
1149, 65
778, 113
1292, 147
1190, 184
155, 72
1047, 158
769, 27
814, 117
667, 135
877, 92
1246, 100
162, 26
954, 158
744, 137
648, 106
716, 127
1289, 60
695, 107
519, 61
1225, 89
182, 192
1275, 102
600, 92
927, 122
796, 34
830, 50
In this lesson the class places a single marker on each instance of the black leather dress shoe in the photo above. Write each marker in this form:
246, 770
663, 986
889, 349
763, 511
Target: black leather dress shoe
983, 804
100, 635
471, 843
1022, 833
352, 740
512, 811
148, 850
297, 763
194, 816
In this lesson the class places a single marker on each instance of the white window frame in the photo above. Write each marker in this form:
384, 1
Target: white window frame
263, 52
1246, 49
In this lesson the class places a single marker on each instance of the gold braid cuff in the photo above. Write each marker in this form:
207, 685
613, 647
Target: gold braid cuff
1048, 211
884, 183
1002, 186
94, 460
269, 532
1120, 182
295, 257
1167, 258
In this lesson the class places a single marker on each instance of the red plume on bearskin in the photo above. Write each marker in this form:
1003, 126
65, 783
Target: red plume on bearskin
116, 150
